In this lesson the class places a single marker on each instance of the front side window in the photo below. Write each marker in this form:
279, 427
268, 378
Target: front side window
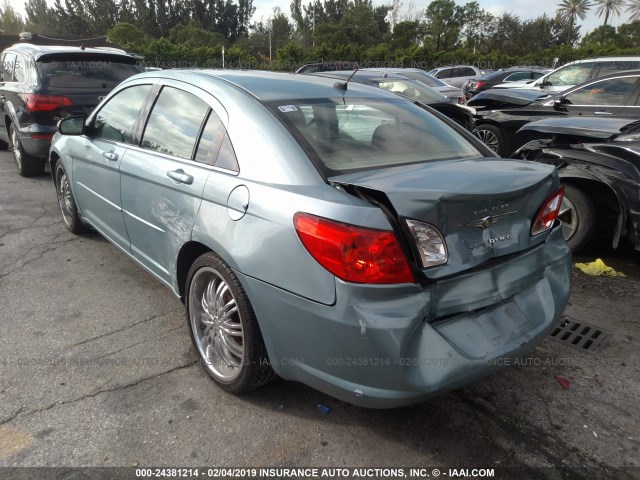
571, 75
116, 120
364, 133
174, 123
606, 92
446, 73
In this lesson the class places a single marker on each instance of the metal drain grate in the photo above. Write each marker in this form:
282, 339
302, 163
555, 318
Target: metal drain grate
579, 334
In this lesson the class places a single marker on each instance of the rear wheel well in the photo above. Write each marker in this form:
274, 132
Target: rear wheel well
189, 252
605, 201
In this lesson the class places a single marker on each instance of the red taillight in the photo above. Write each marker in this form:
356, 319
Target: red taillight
354, 254
548, 212
44, 103
42, 136
479, 84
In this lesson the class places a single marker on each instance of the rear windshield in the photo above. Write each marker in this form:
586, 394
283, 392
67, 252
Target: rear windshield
412, 89
86, 72
363, 133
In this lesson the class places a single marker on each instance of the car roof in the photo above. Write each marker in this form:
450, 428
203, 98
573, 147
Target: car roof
38, 51
269, 86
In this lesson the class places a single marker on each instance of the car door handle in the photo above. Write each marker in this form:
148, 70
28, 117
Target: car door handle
603, 112
110, 156
180, 176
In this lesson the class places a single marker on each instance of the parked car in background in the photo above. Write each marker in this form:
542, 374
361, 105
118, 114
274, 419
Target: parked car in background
40, 85
409, 88
456, 75
575, 73
501, 113
598, 160
336, 235
516, 74
454, 94
326, 67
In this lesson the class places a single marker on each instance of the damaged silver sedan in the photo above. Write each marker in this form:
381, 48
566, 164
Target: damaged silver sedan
327, 232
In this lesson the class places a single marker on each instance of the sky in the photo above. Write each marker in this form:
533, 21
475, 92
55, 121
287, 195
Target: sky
525, 9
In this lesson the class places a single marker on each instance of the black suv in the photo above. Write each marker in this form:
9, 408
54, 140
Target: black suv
39, 85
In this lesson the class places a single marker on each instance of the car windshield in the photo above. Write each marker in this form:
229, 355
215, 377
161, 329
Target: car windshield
363, 133
85, 71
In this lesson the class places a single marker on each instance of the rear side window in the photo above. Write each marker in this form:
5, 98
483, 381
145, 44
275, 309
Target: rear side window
571, 75
174, 123
364, 133
8, 62
464, 72
211, 139
116, 120
516, 77
85, 71
606, 92
607, 67
20, 72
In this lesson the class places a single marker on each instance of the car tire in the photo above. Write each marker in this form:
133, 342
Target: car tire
67, 202
224, 328
28, 166
578, 217
494, 138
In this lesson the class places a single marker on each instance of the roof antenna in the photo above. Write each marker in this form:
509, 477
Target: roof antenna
82, 47
343, 85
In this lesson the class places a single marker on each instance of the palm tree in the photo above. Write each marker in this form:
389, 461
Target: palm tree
609, 7
569, 10
633, 9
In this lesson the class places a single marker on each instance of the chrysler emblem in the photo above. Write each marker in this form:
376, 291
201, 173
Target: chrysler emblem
486, 222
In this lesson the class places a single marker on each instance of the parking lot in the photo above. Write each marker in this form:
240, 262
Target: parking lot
97, 369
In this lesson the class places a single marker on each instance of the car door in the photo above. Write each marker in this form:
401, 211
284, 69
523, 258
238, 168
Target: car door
97, 158
602, 98
163, 178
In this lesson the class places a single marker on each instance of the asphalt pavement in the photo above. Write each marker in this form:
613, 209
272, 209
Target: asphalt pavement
97, 369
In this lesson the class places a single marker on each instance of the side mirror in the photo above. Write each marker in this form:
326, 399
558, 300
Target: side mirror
558, 103
71, 125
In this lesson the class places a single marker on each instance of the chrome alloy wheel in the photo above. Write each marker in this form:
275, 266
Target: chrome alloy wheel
568, 218
15, 146
216, 324
488, 138
65, 199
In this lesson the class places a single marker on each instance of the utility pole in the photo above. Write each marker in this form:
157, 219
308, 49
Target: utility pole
313, 30
222, 56
270, 44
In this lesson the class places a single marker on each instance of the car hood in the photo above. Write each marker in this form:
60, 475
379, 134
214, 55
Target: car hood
596, 128
455, 196
505, 98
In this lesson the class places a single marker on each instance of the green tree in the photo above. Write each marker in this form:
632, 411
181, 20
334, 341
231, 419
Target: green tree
570, 10
126, 35
604, 35
608, 8
444, 21
476, 24
407, 34
630, 34
10, 20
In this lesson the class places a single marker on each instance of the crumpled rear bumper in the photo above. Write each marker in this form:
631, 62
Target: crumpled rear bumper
388, 346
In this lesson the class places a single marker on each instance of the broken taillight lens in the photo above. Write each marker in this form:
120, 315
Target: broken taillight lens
548, 212
351, 253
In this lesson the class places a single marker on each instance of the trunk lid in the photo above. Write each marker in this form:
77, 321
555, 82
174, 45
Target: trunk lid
483, 207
